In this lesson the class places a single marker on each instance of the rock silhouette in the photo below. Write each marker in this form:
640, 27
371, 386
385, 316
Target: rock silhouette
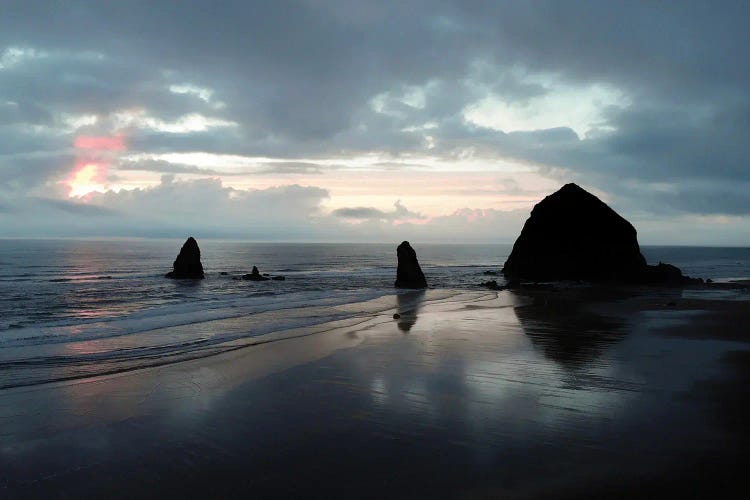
667, 274
492, 285
408, 273
573, 235
254, 276
188, 265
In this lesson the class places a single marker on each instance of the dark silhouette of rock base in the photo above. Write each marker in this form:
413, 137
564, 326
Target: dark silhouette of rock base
254, 276
573, 235
492, 285
188, 265
667, 274
408, 274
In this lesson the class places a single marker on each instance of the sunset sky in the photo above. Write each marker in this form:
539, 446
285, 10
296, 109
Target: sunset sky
371, 121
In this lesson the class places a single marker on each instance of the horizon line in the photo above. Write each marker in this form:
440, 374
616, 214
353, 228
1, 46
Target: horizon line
314, 242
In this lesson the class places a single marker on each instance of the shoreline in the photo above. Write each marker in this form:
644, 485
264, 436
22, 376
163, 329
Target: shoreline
514, 394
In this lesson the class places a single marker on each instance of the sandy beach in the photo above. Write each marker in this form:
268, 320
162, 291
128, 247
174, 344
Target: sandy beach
557, 393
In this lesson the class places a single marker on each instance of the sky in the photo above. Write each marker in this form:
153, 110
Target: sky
315, 120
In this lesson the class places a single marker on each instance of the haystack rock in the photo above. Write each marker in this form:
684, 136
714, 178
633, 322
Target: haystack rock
408, 274
188, 265
254, 276
573, 235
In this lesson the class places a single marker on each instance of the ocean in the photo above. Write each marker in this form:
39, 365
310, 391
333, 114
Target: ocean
78, 308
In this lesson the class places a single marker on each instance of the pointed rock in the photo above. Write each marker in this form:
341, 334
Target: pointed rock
188, 265
408, 273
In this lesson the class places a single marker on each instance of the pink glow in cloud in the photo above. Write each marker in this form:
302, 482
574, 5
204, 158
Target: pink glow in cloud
94, 156
101, 143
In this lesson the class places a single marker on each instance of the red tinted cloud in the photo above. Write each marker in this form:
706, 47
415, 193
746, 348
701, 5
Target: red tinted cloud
103, 143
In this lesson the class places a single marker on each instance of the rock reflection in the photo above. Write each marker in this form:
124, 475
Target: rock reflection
566, 331
408, 307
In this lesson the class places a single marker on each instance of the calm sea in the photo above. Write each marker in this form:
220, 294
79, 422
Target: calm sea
84, 305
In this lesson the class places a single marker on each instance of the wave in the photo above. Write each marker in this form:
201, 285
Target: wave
180, 314
205, 336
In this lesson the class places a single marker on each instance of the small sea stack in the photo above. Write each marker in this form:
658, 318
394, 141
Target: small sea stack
573, 235
254, 275
408, 273
187, 265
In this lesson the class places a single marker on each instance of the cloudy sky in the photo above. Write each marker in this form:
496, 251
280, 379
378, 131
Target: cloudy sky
317, 120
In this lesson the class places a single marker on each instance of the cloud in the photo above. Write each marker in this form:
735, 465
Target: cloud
399, 212
646, 103
74, 208
173, 208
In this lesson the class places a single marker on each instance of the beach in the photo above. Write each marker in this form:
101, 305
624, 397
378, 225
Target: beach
334, 249
578, 392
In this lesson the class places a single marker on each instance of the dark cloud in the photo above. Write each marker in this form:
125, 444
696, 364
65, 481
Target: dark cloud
261, 168
165, 167
300, 80
71, 207
25, 171
399, 212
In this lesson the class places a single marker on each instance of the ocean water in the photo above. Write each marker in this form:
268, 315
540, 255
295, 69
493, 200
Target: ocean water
75, 308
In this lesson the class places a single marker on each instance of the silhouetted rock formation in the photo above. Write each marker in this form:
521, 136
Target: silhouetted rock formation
573, 235
667, 274
408, 274
188, 265
492, 285
254, 276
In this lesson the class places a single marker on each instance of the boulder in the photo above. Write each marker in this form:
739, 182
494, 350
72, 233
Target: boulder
408, 273
492, 285
188, 265
254, 276
573, 235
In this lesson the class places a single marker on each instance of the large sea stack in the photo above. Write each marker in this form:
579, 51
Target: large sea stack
408, 274
188, 265
573, 235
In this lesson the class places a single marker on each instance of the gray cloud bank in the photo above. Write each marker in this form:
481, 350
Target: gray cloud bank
288, 213
307, 79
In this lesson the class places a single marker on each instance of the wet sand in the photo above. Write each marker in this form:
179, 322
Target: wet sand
562, 393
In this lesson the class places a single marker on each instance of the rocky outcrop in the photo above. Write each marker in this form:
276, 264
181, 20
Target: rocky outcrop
492, 285
254, 276
667, 274
408, 273
188, 265
573, 235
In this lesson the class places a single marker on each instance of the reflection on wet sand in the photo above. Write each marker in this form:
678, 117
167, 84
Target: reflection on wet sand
567, 331
486, 397
408, 307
